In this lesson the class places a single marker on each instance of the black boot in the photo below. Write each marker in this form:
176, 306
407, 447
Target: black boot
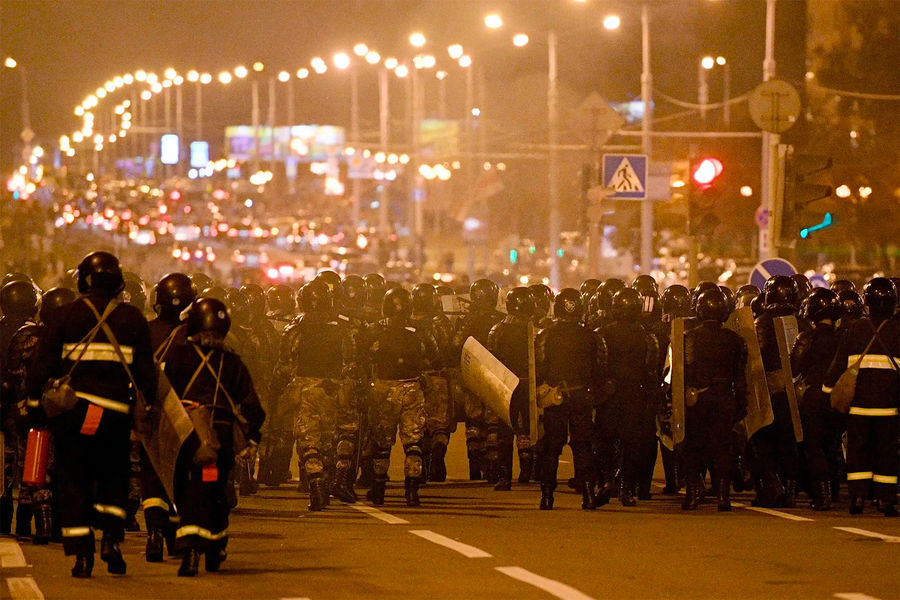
131, 523
491, 470
6, 514
43, 524
769, 491
857, 503
887, 508
724, 495
214, 559
608, 490
376, 494
316, 491
821, 496
504, 479
526, 465
154, 552
693, 496
112, 555
412, 491
474, 456
84, 564
588, 501
24, 512
343, 486
190, 563
790, 493
438, 466
626, 494
546, 497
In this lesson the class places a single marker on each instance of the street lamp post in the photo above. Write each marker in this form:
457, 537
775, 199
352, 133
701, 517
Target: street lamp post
27, 134
646, 139
553, 158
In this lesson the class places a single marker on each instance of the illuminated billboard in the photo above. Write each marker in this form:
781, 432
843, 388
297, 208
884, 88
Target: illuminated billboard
168, 149
305, 143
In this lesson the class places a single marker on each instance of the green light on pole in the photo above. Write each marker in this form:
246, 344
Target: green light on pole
513, 256
827, 221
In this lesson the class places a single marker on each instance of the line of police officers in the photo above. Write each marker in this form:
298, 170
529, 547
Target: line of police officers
365, 360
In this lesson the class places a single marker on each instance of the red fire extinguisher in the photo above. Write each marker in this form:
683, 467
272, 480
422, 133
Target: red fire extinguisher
36, 452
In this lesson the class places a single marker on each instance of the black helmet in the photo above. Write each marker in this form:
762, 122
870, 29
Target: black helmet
568, 305
424, 299
729, 295
602, 299
201, 281
333, 282
174, 293
676, 301
100, 272
745, 295
626, 305
520, 302
699, 289
713, 305
134, 292
821, 304
217, 292
804, 287
444, 289
843, 284
376, 286
852, 303
315, 297
19, 299
758, 305
239, 306
880, 295
484, 293
256, 296
614, 285
645, 284
207, 315
15, 276
588, 287
397, 304
543, 299
649, 299
280, 301
781, 290
353, 292
54, 299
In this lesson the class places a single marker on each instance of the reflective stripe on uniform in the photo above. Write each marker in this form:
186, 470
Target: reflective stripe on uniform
890, 479
872, 361
155, 503
827, 389
97, 351
109, 509
75, 531
197, 530
873, 412
33, 403
859, 475
113, 405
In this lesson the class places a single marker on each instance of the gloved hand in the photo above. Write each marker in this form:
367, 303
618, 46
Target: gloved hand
249, 451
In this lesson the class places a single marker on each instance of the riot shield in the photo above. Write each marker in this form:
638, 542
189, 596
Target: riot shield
676, 376
785, 334
488, 378
534, 417
759, 403
170, 426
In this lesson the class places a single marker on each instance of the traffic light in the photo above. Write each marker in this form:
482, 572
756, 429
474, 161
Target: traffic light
705, 192
807, 179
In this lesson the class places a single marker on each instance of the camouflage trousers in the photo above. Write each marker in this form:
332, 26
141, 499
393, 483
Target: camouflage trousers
397, 404
439, 417
326, 425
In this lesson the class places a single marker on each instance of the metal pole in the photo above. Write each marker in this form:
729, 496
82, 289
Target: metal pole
726, 94
198, 111
354, 136
27, 134
254, 117
553, 162
702, 90
383, 136
290, 103
418, 181
179, 129
470, 128
646, 139
770, 142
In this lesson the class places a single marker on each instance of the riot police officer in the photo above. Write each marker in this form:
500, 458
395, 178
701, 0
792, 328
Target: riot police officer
569, 359
399, 360
872, 423
107, 365
715, 396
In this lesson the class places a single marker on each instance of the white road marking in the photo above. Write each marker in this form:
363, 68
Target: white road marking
23, 588
774, 513
551, 586
379, 514
891, 539
464, 549
854, 596
11, 554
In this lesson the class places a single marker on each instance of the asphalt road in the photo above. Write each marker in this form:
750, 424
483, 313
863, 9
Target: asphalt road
468, 541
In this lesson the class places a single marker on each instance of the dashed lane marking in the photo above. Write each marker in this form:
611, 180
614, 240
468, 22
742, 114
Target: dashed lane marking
464, 549
11, 554
379, 514
891, 539
23, 588
774, 513
854, 596
551, 586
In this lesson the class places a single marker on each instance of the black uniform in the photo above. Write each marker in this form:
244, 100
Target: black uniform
872, 422
201, 497
92, 441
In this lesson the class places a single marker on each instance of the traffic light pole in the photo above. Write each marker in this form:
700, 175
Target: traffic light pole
646, 139
769, 175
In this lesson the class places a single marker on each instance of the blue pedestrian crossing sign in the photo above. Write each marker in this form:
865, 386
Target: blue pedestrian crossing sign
769, 267
626, 174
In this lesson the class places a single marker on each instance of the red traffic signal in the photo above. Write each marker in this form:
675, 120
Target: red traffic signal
706, 171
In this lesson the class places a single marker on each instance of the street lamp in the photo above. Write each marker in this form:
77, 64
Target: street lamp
27, 134
708, 63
